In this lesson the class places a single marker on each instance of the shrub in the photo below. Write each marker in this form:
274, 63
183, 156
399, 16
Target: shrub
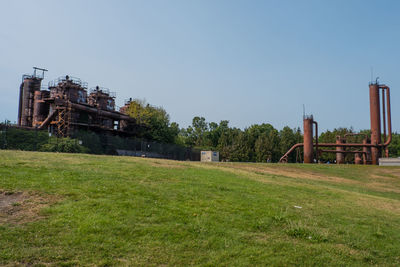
66, 145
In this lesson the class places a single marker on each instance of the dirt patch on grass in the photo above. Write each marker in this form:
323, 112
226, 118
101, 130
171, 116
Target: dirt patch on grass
379, 177
167, 164
289, 172
372, 182
347, 250
381, 187
22, 207
262, 238
378, 203
394, 172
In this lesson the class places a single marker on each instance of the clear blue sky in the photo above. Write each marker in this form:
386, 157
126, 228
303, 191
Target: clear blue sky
248, 62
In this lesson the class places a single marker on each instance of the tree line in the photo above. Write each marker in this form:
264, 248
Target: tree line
264, 143
257, 143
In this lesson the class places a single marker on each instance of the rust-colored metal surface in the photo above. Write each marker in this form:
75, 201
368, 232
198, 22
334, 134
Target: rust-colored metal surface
284, 158
69, 88
367, 152
66, 107
124, 109
41, 108
388, 115
308, 140
29, 85
102, 98
374, 106
339, 154
316, 140
357, 158
383, 116
21, 95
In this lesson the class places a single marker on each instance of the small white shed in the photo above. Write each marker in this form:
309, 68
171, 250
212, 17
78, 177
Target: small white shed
209, 156
389, 161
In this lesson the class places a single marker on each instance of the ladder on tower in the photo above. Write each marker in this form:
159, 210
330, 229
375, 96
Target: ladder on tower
64, 121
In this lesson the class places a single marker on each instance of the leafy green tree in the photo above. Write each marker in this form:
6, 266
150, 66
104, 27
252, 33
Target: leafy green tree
156, 121
267, 147
226, 140
212, 135
240, 150
289, 137
200, 128
330, 137
254, 132
394, 147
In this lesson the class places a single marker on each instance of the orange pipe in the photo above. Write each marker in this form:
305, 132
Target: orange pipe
389, 117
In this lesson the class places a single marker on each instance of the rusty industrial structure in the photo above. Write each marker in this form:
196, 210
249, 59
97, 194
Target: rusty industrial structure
67, 106
369, 150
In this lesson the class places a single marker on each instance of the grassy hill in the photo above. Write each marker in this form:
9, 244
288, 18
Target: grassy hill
69, 209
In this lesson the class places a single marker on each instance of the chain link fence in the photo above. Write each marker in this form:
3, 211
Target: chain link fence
17, 138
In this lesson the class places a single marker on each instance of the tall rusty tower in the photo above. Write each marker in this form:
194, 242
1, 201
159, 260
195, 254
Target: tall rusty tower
30, 84
369, 150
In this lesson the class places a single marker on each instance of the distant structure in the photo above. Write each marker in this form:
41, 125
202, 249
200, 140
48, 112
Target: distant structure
370, 150
209, 156
389, 162
67, 105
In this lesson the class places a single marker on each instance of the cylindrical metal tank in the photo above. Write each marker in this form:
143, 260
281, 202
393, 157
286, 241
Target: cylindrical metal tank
374, 105
41, 108
308, 140
123, 124
102, 101
340, 156
68, 88
21, 90
27, 91
357, 158
101, 98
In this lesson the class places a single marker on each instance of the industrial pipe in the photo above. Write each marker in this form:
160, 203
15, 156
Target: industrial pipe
373, 148
47, 120
316, 140
339, 155
331, 145
357, 158
383, 116
108, 114
102, 112
308, 140
366, 152
337, 151
384, 123
348, 145
375, 122
20, 105
284, 157
389, 117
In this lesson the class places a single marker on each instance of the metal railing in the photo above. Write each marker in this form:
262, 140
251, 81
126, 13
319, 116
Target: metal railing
102, 90
74, 80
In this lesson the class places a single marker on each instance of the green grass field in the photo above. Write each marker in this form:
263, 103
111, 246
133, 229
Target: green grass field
85, 210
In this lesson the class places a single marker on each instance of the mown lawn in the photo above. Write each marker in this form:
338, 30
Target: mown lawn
107, 211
